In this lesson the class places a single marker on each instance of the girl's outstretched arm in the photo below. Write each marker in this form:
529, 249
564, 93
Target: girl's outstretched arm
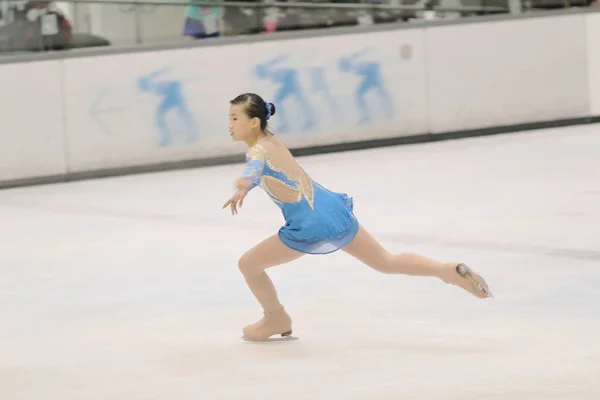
255, 163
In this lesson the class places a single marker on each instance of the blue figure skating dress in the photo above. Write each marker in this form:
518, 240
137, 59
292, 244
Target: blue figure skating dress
317, 220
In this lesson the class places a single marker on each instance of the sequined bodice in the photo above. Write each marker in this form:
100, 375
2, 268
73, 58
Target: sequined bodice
279, 175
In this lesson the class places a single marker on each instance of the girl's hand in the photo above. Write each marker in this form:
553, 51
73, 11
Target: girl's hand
238, 197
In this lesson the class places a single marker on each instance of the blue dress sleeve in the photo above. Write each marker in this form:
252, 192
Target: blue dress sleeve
255, 163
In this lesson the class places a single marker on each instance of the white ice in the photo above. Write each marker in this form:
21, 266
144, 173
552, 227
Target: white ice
128, 289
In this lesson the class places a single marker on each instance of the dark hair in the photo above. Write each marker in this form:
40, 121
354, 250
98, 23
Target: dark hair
256, 108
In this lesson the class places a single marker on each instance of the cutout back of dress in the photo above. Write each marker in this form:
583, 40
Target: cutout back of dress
272, 166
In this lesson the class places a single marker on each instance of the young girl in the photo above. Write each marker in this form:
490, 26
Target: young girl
317, 221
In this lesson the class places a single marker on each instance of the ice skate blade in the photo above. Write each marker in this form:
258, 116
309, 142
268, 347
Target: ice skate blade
466, 273
271, 339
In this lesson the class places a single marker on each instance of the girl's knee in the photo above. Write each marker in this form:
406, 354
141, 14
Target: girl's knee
383, 263
247, 266
243, 265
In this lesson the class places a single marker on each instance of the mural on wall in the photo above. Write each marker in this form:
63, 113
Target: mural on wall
333, 87
289, 87
157, 93
318, 78
171, 102
370, 80
315, 92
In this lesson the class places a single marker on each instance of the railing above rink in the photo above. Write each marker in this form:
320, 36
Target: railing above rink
58, 25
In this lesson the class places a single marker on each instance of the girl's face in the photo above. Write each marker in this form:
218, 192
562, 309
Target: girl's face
241, 127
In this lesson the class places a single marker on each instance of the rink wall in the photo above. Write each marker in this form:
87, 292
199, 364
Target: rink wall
593, 51
104, 112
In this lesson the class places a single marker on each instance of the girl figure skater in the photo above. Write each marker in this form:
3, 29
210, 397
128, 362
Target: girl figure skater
317, 221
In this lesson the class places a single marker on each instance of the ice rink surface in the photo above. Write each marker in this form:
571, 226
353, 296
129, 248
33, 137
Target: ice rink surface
128, 289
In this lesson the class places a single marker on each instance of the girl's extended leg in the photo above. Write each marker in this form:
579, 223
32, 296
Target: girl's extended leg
366, 249
268, 253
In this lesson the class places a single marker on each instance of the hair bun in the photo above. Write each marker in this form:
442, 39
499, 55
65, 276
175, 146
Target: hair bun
272, 108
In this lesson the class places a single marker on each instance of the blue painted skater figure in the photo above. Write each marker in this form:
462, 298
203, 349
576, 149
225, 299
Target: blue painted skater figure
172, 101
372, 81
319, 81
289, 87
317, 221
